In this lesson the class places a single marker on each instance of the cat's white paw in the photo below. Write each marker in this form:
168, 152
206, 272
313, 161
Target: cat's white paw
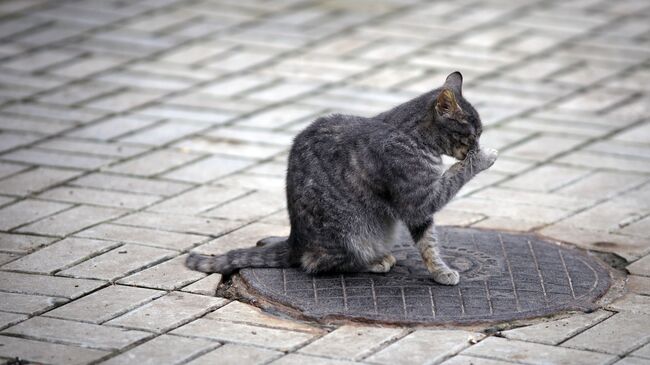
446, 277
487, 157
384, 265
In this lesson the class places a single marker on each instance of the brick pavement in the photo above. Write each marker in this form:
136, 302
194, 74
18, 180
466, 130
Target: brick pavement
132, 132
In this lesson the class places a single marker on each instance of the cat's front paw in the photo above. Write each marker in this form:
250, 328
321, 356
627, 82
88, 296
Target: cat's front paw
446, 276
486, 158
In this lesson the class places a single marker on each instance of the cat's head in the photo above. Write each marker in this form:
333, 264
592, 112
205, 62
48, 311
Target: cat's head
456, 120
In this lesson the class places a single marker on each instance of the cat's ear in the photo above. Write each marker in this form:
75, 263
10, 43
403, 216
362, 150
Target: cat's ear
455, 82
446, 104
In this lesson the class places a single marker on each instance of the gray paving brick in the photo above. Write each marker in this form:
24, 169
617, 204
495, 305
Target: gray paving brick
209, 117
59, 255
167, 312
8, 168
163, 133
233, 354
163, 349
244, 313
640, 267
39, 60
124, 100
105, 304
27, 303
277, 339
130, 184
78, 93
55, 113
77, 333
617, 335
109, 149
168, 275
20, 243
249, 207
113, 127
45, 352
105, 198
425, 346
180, 223
208, 169
26, 211
199, 200
142, 236
632, 302
555, 332
154, 163
118, 262
9, 319
601, 184
34, 180
47, 285
532, 353
296, 359
351, 342
82, 67
205, 286
72, 220
545, 178
10, 141
244, 237
57, 159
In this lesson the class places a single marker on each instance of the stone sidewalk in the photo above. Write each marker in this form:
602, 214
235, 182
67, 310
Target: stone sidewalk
134, 131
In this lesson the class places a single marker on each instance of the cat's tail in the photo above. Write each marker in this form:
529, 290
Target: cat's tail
270, 252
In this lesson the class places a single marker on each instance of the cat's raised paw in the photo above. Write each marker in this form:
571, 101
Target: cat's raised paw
446, 277
487, 157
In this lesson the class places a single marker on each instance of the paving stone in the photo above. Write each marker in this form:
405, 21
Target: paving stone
105, 304
101, 148
244, 237
638, 284
277, 339
9, 141
208, 169
9, 319
163, 349
425, 346
555, 332
632, 303
105, 198
163, 133
142, 236
177, 113
640, 267
180, 223
351, 342
605, 161
130, 184
118, 262
154, 163
56, 159
44, 352
7, 169
112, 127
601, 184
643, 351
532, 353
26, 211
617, 335
233, 354
243, 313
169, 311
28, 304
61, 254
628, 247
20, 243
470, 360
72, 220
125, 100
249, 207
55, 113
76, 333
34, 180
538, 148
82, 67
168, 275
205, 286
545, 178
630, 360
296, 359
199, 200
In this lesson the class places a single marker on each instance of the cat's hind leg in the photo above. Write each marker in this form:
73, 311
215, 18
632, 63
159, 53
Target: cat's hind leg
383, 265
271, 240
426, 240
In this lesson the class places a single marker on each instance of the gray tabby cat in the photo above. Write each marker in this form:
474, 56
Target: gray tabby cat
352, 179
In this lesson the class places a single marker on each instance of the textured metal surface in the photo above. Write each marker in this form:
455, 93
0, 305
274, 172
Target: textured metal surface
503, 277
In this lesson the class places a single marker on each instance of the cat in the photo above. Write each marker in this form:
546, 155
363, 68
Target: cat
351, 179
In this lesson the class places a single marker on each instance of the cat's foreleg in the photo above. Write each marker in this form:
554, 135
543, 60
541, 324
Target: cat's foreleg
426, 240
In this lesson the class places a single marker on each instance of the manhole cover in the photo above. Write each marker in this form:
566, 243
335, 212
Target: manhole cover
503, 277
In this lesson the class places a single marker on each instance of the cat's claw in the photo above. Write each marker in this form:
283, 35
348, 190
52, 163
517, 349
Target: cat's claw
446, 277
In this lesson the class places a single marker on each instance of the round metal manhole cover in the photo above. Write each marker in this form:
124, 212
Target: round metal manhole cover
504, 277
